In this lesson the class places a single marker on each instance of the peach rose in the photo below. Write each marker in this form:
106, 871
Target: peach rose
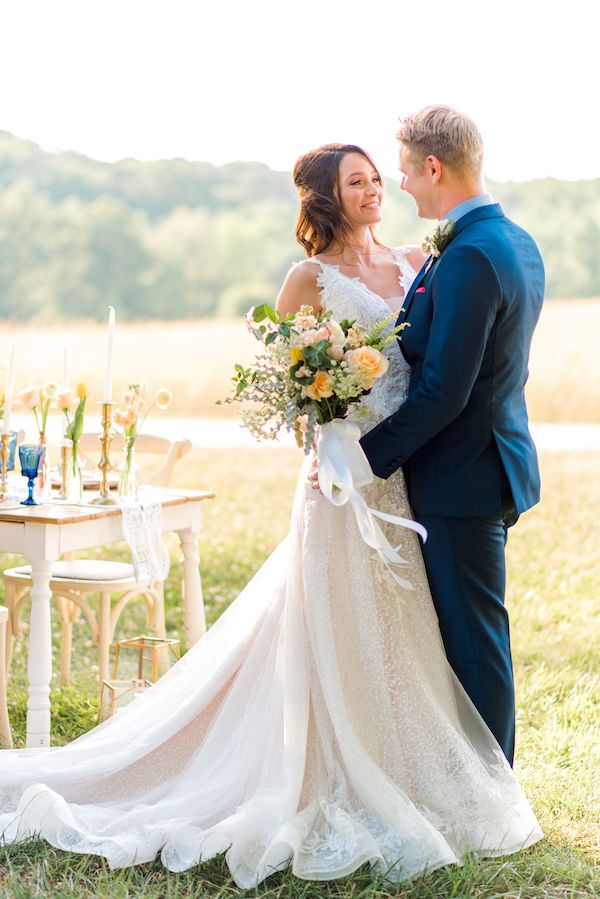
320, 387
368, 360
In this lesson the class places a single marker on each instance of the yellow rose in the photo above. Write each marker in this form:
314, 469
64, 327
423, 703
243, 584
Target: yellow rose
81, 390
320, 387
367, 360
296, 355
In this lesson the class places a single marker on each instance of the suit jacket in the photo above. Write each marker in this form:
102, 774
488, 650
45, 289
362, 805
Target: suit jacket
462, 434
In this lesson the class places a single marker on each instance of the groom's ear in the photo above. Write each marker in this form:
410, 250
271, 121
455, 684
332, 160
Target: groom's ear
433, 167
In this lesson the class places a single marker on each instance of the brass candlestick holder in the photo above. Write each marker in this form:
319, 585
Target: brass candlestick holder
4, 454
105, 499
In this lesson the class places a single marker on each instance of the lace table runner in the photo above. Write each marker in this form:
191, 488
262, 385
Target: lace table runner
142, 528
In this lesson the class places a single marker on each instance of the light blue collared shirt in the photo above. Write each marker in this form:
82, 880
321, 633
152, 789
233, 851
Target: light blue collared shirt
469, 205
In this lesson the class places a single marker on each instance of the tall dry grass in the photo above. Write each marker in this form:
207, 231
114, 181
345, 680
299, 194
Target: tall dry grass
195, 359
564, 382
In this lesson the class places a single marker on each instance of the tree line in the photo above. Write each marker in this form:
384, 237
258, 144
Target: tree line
177, 239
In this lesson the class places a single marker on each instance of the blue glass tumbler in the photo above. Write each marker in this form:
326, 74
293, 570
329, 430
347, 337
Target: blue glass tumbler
30, 457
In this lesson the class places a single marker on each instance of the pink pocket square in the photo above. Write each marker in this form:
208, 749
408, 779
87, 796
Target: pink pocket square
420, 290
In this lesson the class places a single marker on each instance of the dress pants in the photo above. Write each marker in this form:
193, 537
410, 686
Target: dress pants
465, 563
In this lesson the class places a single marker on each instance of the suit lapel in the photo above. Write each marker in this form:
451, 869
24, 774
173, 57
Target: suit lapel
406, 303
492, 210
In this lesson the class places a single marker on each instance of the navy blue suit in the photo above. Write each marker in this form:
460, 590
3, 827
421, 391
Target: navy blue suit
462, 439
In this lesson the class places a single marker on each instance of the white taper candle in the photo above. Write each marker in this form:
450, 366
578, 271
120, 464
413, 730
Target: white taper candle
10, 385
110, 356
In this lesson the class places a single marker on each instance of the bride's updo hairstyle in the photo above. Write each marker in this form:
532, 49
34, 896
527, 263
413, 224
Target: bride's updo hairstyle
322, 220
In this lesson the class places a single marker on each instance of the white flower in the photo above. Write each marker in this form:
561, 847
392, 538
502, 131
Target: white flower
337, 336
50, 388
163, 398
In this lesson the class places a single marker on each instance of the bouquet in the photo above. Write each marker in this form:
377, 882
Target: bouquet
311, 371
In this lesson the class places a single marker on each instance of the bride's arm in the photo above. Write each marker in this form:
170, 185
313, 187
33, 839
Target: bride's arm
299, 289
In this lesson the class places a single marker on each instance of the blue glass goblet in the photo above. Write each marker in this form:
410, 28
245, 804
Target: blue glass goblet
30, 457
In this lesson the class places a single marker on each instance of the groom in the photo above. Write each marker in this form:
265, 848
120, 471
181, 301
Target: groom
462, 436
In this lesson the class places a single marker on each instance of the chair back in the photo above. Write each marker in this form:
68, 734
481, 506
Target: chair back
145, 444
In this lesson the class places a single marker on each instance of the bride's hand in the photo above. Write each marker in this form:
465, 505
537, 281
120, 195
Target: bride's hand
313, 476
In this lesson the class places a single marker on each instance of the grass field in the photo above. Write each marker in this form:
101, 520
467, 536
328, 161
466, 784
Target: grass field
554, 584
195, 360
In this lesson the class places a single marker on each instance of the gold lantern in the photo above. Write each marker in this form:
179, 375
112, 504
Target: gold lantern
117, 694
153, 655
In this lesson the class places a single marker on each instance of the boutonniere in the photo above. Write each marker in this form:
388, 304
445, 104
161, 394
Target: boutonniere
440, 238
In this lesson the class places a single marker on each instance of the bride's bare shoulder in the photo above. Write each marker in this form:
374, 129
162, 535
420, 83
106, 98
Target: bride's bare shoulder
300, 288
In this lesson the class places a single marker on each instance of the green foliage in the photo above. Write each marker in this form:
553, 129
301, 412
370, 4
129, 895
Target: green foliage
176, 239
552, 598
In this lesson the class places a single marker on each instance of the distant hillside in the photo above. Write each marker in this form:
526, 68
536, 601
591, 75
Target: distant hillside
180, 239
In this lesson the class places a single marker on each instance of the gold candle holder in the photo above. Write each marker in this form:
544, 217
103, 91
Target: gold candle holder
105, 499
4, 453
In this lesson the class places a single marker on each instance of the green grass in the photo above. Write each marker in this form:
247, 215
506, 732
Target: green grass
554, 583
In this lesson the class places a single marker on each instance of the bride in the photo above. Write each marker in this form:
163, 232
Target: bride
318, 722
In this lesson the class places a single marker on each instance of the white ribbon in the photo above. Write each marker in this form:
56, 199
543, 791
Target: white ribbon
343, 467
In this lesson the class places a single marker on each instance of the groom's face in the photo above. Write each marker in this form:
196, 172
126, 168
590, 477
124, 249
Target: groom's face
417, 181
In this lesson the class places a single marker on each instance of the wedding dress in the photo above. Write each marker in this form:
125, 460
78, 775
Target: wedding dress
317, 723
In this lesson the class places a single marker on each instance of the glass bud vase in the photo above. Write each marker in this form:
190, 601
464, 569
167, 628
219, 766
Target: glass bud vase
74, 480
129, 472
43, 484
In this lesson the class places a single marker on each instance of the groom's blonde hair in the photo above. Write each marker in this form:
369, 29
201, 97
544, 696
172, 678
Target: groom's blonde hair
450, 136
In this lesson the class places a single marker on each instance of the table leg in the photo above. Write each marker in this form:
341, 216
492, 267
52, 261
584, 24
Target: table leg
193, 603
39, 664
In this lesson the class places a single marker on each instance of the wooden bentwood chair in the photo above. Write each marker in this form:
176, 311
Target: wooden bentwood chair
74, 580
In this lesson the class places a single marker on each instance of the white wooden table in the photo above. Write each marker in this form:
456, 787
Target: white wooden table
42, 533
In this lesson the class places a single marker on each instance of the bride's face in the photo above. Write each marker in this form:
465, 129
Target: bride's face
360, 189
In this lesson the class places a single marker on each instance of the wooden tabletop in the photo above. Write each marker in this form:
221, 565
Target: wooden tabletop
60, 512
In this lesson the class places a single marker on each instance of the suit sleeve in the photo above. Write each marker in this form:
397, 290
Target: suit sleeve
466, 296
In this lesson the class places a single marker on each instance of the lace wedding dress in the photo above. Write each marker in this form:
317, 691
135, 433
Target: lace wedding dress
317, 723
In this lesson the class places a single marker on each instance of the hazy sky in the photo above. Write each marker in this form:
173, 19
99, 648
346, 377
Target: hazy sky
221, 80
